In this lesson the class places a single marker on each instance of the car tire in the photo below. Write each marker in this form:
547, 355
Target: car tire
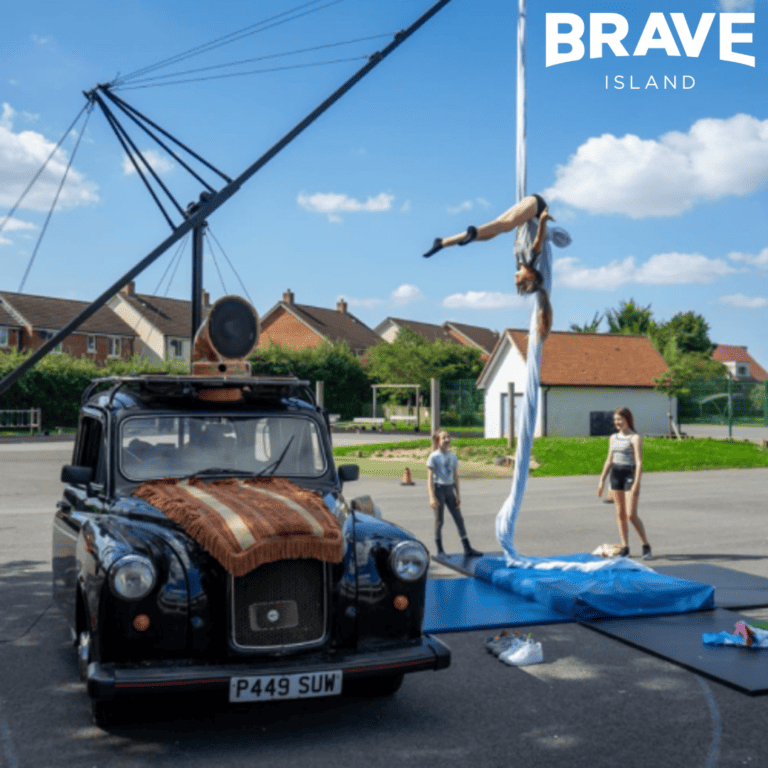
374, 687
105, 714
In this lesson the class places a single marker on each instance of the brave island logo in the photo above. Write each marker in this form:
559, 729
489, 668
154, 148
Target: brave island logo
565, 32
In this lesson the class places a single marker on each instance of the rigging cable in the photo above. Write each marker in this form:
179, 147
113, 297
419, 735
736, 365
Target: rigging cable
55, 200
226, 39
136, 83
241, 74
216, 264
41, 169
232, 267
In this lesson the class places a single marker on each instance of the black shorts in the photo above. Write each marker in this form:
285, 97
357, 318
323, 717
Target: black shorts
622, 477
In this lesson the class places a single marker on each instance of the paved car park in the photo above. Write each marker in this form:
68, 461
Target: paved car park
593, 702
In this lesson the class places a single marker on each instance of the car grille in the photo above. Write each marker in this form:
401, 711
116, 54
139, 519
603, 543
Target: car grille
280, 605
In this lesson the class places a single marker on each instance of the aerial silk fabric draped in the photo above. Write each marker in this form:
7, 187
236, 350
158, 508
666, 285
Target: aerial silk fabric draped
507, 516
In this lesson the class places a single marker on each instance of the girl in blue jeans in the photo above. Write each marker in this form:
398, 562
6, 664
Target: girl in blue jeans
443, 487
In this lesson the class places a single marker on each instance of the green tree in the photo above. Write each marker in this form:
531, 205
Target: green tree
688, 332
685, 368
411, 359
347, 387
630, 318
589, 327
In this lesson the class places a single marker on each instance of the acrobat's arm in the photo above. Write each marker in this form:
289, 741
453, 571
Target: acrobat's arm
518, 214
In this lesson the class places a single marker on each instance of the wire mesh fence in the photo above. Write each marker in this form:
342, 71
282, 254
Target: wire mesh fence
725, 402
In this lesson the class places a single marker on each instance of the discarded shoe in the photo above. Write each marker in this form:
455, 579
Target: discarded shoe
528, 652
492, 641
506, 643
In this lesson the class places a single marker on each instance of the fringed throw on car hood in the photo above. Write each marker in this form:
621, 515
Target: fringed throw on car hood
246, 523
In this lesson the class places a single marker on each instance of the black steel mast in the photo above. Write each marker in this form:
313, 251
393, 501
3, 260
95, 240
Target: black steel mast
209, 202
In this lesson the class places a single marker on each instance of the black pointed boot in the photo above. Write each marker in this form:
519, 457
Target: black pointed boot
468, 551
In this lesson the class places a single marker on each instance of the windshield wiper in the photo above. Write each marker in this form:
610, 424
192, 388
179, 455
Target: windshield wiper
275, 464
218, 471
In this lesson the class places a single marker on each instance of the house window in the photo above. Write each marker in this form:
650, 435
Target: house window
91, 344
742, 370
3, 337
176, 347
114, 346
45, 336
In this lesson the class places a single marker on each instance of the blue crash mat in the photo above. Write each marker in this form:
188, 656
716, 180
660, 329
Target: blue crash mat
462, 604
611, 592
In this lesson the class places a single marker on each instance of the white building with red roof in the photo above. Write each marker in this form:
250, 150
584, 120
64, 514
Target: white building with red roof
584, 378
740, 363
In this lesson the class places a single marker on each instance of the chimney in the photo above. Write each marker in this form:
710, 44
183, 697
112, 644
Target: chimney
341, 306
129, 289
288, 297
206, 299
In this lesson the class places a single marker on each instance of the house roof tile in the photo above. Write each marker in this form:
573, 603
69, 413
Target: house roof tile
485, 338
590, 360
330, 324
172, 317
725, 353
50, 313
428, 331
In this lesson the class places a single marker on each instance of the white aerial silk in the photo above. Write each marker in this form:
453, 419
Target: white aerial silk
507, 516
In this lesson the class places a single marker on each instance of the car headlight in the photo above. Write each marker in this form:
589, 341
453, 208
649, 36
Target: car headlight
409, 560
132, 577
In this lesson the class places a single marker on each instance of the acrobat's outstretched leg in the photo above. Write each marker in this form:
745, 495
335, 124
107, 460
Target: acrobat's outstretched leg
518, 214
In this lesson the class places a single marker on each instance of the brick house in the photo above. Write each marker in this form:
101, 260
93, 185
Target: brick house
741, 365
300, 325
27, 321
163, 326
483, 339
584, 378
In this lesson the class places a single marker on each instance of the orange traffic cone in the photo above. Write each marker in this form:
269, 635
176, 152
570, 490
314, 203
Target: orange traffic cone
407, 478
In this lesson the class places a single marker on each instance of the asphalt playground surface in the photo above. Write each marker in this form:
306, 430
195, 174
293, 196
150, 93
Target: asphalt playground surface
593, 702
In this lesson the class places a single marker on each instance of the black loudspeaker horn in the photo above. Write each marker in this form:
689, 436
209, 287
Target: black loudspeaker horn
226, 338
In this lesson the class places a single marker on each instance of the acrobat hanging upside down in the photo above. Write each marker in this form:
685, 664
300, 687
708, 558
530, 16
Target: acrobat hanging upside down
528, 279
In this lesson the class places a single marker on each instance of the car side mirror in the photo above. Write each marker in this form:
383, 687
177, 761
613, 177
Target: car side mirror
349, 472
76, 475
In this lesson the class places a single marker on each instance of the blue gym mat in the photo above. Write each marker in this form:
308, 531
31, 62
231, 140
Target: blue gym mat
463, 604
609, 592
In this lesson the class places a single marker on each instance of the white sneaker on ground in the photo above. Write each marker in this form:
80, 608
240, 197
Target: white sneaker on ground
527, 653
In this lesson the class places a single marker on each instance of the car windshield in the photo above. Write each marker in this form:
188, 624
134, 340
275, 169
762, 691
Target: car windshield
179, 446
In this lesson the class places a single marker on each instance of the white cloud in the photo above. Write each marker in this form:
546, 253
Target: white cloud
736, 6
660, 269
461, 207
333, 204
158, 162
406, 294
365, 303
40, 39
668, 175
484, 300
405, 207
744, 302
22, 155
759, 260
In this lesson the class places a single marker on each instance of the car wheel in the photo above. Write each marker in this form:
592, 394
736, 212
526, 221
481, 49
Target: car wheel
372, 687
105, 714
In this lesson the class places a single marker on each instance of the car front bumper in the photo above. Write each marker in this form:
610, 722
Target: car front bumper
107, 681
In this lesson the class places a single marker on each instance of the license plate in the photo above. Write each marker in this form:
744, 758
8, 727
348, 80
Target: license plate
302, 685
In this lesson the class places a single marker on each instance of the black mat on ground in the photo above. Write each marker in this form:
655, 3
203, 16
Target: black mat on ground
733, 589
462, 563
678, 639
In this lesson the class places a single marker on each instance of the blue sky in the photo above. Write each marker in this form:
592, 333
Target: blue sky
663, 189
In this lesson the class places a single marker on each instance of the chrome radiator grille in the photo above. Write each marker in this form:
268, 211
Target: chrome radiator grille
280, 605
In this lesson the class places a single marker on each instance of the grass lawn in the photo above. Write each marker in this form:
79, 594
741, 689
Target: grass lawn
556, 456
